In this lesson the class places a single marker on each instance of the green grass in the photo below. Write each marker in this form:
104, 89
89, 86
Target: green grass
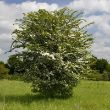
88, 95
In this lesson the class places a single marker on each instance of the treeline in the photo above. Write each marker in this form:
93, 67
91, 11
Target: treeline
4, 71
99, 69
13, 69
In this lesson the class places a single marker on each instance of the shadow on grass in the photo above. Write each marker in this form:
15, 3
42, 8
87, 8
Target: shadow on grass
26, 99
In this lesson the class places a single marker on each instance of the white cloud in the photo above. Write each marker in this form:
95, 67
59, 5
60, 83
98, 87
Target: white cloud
99, 12
1, 51
91, 5
5, 26
102, 22
10, 12
35, 6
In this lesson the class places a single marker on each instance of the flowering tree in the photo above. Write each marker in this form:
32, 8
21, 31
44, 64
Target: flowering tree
54, 50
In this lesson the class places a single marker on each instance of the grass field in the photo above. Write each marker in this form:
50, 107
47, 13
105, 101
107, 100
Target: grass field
88, 95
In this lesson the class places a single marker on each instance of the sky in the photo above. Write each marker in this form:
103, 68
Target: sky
94, 10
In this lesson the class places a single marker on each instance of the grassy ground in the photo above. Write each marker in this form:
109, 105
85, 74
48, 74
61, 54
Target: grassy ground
88, 95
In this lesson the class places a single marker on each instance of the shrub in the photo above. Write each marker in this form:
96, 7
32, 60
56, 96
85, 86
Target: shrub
54, 50
14, 65
105, 76
3, 71
96, 76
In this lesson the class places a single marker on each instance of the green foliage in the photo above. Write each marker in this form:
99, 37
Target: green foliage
15, 65
100, 69
1, 62
108, 70
105, 76
93, 61
54, 50
96, 76
3, 71
101, 65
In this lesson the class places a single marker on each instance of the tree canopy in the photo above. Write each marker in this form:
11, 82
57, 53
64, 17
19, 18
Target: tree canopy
54, 49
15, 65
101, 65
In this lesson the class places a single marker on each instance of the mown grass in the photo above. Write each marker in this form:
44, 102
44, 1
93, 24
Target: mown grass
88, 95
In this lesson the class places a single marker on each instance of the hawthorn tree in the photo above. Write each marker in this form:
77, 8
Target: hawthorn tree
54, 50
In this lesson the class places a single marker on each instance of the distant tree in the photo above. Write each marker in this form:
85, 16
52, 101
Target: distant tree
101, 65
3, 71
54, 50
1, 62
108, 70
14, 64
108, 67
